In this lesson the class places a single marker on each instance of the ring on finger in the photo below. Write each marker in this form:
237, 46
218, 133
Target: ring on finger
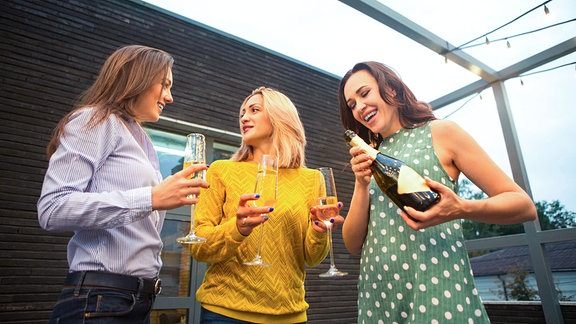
244, 221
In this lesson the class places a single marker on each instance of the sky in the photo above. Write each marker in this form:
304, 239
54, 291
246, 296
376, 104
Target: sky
331, 36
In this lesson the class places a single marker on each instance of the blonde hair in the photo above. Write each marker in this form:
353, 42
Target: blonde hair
127, 73
288, 137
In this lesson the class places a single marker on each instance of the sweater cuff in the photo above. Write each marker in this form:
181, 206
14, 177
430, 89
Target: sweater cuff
235, 234
315, 236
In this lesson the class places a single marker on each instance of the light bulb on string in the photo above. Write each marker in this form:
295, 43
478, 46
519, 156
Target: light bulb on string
508, 43
521, 82
546, 10
487, 41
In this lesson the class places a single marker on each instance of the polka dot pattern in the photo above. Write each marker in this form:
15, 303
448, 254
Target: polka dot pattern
411, 276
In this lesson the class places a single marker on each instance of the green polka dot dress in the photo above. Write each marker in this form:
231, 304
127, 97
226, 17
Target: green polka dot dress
409, 276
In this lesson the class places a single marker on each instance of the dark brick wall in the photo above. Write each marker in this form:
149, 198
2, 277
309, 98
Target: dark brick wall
51, 51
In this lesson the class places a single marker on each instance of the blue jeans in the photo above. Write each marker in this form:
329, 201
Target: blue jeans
102, 305
209, 317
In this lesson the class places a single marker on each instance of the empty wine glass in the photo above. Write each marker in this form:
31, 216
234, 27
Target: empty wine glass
267, 187
327, 208
194, 153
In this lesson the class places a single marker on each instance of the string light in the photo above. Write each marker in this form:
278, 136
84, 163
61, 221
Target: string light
479, 94
492, 31
546, 70
550, 69
464, 104
546, 10
507, 39
521, 34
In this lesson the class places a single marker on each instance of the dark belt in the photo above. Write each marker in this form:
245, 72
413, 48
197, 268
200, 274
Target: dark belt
113, 280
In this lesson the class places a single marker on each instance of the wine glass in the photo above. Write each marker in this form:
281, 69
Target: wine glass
194, 153
326, 209
267, 187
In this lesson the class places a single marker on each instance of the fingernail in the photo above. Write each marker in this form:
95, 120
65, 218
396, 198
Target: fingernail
315, 223
271, 209
265, 218
332, 220
339, 205
257, 196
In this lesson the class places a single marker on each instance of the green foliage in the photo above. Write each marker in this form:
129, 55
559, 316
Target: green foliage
466, 189
514, 286
519, 288
551, 215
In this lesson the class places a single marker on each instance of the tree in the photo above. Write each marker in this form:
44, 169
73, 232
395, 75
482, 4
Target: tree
519, 288
515, 286
551, 215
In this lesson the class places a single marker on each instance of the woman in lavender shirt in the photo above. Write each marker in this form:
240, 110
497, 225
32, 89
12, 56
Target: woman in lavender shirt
103, 183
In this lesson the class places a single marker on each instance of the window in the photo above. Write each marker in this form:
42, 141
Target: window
180, 274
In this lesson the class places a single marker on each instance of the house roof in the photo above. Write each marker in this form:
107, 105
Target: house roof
561, 257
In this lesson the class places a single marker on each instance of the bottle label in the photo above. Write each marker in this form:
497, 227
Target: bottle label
410, 181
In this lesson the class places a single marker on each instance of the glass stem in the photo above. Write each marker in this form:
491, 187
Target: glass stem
261, 239
329, 230
192, 211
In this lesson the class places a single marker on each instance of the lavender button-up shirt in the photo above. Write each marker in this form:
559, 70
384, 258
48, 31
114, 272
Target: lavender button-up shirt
99, 185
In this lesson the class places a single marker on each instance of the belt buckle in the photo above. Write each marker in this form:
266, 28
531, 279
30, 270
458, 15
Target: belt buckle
157, 286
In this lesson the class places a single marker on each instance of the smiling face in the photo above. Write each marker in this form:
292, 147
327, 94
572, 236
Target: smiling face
151, 102
255, 124
367, 106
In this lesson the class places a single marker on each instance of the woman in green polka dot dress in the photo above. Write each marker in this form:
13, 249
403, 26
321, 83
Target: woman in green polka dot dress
414, 267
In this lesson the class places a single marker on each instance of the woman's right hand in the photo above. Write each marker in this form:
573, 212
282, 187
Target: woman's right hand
360, 163
177, 190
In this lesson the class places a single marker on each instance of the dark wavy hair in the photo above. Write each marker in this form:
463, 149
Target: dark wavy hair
394, 92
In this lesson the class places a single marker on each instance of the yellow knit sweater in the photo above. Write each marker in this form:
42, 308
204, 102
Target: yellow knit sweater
254, 293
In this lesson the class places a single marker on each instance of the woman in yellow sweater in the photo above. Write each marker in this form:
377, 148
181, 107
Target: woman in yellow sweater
231, 291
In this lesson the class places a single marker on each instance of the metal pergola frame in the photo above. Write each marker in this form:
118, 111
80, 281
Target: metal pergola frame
533, 237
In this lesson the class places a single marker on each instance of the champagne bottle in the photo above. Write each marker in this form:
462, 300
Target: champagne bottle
403, 185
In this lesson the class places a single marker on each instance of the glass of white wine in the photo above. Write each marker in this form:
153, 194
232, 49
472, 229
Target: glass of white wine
267, 187
194, 153
326, 209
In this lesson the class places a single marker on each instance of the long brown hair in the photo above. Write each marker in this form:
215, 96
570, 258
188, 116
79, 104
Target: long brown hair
393, 91
127, 73
288, 138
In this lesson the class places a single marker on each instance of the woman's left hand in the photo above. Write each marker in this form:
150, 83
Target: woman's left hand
319, 226
447, 209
